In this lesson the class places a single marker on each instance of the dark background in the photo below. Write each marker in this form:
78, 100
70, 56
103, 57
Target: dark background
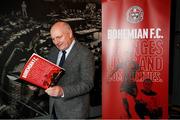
21, 36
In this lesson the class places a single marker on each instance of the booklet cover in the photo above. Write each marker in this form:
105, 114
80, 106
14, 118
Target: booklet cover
40, 72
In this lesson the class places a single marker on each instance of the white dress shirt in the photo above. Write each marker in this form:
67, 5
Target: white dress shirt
67, 53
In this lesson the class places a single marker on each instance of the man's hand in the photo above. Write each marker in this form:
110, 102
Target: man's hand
32, 87
55, 91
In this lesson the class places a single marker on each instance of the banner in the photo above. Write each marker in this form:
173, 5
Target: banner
135, 54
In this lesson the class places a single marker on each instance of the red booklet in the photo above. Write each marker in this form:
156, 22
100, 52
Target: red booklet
40, 72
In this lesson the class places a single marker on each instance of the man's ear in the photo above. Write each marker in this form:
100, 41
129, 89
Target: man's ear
71, 34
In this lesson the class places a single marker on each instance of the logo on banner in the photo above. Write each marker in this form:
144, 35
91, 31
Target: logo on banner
135, 14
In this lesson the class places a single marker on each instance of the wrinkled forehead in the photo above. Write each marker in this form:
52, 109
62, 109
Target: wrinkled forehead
56, 32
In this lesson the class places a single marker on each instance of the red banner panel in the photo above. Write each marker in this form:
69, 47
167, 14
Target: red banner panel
135, 58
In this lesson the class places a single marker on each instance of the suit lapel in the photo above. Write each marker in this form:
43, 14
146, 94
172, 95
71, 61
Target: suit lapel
54, 55
73, 53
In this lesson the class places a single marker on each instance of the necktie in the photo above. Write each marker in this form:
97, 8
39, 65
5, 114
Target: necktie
62, 58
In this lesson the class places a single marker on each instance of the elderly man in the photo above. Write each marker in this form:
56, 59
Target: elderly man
70, 97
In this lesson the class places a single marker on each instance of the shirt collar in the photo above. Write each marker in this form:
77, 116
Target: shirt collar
67, 52
70, 47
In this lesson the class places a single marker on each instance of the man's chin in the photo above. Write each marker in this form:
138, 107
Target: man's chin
60, 48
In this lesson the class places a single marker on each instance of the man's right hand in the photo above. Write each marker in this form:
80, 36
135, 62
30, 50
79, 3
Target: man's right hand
55, 91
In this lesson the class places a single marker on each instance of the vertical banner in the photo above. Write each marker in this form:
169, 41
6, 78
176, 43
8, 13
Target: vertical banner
135, 54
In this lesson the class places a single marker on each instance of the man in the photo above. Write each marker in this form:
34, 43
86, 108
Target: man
24, 12
70, 97
147, 103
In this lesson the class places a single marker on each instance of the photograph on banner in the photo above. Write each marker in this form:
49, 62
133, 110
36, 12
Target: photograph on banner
24, 30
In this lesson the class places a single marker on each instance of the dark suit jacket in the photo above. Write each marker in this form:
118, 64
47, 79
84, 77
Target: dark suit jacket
76, 82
